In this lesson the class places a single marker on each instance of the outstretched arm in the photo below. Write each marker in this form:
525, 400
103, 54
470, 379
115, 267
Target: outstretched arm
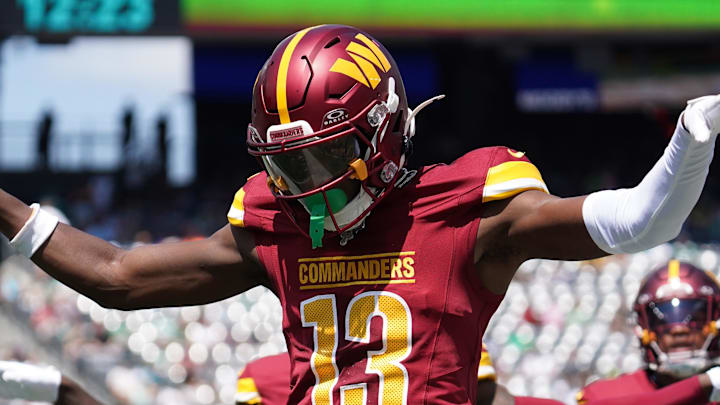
170, 274
536, 225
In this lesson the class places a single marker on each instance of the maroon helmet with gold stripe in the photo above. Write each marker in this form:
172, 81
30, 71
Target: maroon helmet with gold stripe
329, 105
678, 293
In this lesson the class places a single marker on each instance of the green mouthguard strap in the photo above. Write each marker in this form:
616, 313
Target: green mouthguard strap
318, 212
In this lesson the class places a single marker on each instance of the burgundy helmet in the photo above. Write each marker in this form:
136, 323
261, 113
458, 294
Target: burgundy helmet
678, 293
329, 105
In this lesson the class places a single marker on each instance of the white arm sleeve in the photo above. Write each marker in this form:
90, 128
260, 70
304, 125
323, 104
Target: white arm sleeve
636, 219
29, 382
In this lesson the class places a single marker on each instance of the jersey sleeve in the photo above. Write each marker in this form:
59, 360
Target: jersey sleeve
486, 370
247, 392
684, 392
510, 173
536, 401
253, 206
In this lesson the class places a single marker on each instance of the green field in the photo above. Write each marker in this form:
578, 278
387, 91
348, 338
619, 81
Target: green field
459, 14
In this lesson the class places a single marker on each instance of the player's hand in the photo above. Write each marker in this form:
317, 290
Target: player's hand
702, 117
26, 381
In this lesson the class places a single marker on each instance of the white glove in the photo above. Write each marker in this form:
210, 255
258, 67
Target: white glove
702, 117
29, 382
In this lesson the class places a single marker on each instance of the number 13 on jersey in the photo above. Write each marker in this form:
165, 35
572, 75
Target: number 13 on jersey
320, 313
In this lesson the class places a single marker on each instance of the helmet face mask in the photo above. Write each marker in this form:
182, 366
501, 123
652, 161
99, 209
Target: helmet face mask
329, 107
677, 310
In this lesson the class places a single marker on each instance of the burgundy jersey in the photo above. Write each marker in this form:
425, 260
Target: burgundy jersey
265, 381
395, 315
625, 385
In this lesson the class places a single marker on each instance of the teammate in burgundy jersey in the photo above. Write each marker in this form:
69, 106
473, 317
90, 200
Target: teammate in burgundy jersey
387, 276
265, 381
676, 310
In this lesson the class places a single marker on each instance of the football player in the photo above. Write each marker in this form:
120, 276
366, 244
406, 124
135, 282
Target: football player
387, 276
677, 312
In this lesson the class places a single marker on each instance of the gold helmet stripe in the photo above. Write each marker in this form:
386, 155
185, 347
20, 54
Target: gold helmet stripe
281, 89
673, 269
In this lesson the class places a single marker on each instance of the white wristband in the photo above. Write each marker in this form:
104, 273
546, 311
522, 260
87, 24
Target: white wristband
29, 382
714, 375
35, 232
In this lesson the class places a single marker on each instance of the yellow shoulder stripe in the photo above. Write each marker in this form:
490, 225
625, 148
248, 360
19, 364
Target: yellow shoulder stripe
486, 371
510, 178
236, 215
247, 392
511, 171
580, 397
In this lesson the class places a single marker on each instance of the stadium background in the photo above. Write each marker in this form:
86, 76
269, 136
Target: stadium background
129, 116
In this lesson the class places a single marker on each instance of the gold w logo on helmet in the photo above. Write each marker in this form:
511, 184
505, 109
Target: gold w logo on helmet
367, 57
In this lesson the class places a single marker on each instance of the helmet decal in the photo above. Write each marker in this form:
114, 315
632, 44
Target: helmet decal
366, 59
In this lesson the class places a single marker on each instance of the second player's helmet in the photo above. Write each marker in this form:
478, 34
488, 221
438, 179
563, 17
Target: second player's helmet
329, 105
678, 293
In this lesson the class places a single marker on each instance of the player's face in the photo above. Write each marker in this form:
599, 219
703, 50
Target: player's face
680, 337
679, 323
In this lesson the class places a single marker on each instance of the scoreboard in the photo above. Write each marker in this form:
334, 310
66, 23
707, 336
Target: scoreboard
103, 17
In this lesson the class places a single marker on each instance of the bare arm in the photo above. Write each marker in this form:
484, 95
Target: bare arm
71, 393
530, 225
172, 274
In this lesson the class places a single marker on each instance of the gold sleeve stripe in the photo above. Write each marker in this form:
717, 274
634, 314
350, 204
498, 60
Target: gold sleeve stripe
580, 398
510, 178
236, 215
486, 373
510, 188
281, 90
247, 392
511, 171
485, 359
